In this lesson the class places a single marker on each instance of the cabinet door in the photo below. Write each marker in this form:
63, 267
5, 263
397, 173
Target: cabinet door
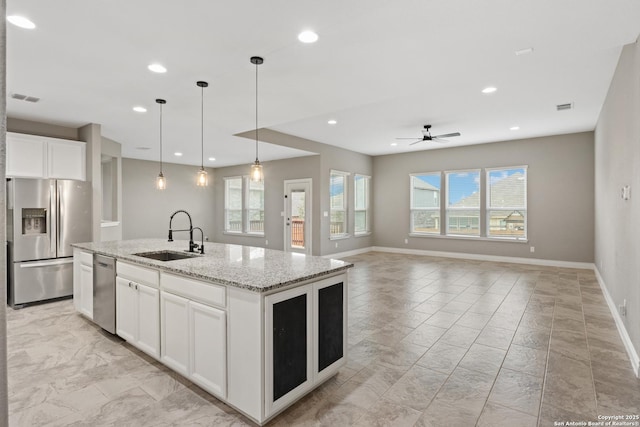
175, 336
148, 308
86, 290
66, 159
126, 301
26, 156
330, 319
288, 356
208, 348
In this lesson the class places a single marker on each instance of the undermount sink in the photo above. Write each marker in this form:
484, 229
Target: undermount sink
166, 255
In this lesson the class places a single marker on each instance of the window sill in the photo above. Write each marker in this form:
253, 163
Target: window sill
368, 233
479, 238
105, 223
340, 237
239, 233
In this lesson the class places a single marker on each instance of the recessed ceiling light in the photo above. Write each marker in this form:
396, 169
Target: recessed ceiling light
139, 109
514, 128
308, 37
157, 68
212, 159
393, 144
332, 122
524, 51
177, 153
21, 21
489, 89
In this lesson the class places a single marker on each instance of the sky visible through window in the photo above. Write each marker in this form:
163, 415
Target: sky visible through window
467, 182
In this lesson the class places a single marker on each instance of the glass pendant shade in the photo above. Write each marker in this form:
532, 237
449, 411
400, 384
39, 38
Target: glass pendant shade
161, 182
256, 172
202, 179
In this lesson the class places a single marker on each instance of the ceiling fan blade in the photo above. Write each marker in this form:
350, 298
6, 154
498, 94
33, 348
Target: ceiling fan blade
408, 138
420, 140
447, 135
439, 140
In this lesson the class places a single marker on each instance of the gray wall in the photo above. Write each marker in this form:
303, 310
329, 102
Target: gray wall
560, 196
146, 211
41, 129
331, 157
275, 173
617, 224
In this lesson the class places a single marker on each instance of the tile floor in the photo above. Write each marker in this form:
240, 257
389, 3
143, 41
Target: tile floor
432, 342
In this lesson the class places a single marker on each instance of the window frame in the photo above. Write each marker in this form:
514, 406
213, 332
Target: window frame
489, 208
345, 204
245, 229
447, 209
367, 202
412, 208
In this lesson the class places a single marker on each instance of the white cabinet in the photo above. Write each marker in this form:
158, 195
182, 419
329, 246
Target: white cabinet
138, 315
83, 282
194, 335
31, 156
138, 307
66, 159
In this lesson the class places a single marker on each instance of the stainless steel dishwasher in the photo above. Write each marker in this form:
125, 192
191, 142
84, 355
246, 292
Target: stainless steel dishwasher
104, 292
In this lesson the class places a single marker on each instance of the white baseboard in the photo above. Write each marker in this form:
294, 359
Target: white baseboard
493, 258
622, 330
339, 255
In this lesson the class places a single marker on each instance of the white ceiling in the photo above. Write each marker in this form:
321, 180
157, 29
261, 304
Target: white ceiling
382, 69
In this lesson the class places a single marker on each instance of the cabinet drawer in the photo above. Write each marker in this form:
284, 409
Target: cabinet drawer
137, 274
206, 293
86, 258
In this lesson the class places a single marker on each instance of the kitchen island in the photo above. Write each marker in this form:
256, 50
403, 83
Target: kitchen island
257, 328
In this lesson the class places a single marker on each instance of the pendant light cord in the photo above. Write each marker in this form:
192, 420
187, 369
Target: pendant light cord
257, 111
160, 138
202, 127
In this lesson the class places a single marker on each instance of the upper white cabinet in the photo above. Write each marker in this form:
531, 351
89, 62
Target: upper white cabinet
31, 156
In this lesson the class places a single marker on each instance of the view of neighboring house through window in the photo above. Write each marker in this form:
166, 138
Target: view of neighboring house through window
463, 203
338, 204
361, 188
425, 203
244, 205
507, 203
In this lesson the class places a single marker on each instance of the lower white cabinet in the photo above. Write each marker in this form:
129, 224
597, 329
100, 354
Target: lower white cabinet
137, 315
83, 282
194, 338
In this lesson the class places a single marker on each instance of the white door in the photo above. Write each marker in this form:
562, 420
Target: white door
175, 337
148, 320
297, 216
208, 345
126, 309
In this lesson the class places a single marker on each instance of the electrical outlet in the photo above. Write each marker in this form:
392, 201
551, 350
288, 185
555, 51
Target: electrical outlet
266, 242
336, 244
406, 241
622, 308
206, 238
532, 249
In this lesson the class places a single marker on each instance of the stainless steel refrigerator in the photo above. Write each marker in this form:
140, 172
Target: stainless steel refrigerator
44, 216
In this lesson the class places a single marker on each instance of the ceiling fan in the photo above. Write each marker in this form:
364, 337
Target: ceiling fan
426, 136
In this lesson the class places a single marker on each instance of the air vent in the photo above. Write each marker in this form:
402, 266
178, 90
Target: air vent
22, 97
561, 107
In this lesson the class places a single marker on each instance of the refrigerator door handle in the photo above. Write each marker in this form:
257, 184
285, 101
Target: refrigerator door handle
59, 231
53, 218
46, 263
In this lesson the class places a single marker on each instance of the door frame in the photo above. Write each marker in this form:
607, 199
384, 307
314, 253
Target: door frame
308, 218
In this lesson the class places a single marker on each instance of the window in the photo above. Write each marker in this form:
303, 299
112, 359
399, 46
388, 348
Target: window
362, 194
463, 203
338, 204
425, 203
507, 203
244, 206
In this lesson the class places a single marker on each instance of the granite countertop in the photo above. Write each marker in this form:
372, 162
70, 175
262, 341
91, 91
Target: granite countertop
247, 267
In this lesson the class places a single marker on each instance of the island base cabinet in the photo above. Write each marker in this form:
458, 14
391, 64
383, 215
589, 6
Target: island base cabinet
137, 315
194, 339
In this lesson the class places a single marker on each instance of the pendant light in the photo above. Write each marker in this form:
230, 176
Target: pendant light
161, 182
202, 179
256, 168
